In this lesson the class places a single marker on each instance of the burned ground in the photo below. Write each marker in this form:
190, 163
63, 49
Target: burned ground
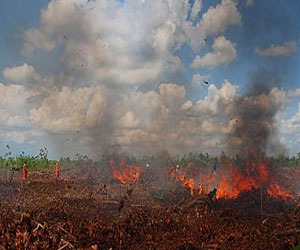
86, 209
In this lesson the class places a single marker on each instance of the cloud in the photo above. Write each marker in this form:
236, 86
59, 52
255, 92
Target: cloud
223, 52
289, 130
142, 121
35, 38
165, 119
217, 101
129, 120
197, 7
198, 80
21, 74
292, 125
13, 99
70, 109
130, 43
294, 93
216, 20
14, 117
126, 44
109, 73
172, 94
285, 49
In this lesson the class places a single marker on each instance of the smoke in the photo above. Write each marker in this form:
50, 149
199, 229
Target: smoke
254, 122
101, 134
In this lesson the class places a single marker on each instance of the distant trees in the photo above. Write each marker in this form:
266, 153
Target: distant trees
160, 160
40, 161
285, 160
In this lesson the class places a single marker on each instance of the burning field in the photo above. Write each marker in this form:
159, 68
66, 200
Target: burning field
241, 203
183, 118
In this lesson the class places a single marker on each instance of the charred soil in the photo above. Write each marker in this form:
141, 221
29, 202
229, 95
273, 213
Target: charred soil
87, 212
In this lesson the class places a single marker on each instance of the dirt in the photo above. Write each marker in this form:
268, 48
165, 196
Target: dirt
86, 209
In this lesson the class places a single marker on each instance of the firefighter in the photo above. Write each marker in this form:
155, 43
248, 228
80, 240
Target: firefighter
24, 171
57, 170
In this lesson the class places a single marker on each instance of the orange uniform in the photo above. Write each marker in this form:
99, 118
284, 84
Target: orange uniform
57, 170
24, 171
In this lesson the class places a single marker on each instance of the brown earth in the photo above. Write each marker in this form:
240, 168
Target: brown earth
86, 209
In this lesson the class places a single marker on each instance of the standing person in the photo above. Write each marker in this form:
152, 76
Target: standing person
57, 170
24, 171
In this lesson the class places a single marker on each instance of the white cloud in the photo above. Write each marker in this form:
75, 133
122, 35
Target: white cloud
70, 109
217, 101
197, 6
289, 131
294, 93
292, 125
111, 42
13, 100
167, 120
285, 49
216, 20
129, 120
144, 121
172, 94
128, 43
38, 39
199, 79
14, 117
21, 74
99, 49
223, 52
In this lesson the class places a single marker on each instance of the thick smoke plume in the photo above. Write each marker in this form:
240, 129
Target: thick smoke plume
254, 122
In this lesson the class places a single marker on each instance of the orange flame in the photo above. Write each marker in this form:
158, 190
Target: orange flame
233, 180
275, 191
125, 173
185, 182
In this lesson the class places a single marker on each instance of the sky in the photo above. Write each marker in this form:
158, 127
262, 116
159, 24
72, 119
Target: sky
143, 76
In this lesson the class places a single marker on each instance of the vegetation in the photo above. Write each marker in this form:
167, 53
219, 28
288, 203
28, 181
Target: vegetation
161, 159
39, 161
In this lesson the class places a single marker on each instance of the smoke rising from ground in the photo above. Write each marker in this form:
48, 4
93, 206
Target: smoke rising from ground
254, 122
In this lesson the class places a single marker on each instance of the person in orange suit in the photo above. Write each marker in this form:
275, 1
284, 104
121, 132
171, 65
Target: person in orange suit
57, 170
24, 171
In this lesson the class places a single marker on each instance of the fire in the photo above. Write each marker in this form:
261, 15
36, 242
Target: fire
274, 190
234, 181
188, 182
125, 173
234, 178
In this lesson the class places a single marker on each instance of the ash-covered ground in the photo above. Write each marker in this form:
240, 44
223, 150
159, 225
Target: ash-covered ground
86, 208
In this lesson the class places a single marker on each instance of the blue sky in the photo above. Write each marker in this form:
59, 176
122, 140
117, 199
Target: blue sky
79, 76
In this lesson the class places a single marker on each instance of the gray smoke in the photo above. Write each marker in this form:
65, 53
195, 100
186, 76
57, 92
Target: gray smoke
254, 124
